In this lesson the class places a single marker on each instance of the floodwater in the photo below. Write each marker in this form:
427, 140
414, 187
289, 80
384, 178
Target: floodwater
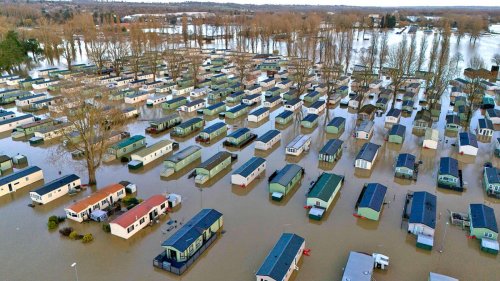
252, 222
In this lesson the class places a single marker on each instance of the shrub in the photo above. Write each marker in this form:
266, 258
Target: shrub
87, 238
52, 225
61, 219
66, 231
74, 235
130, 200
106, 228
54, 219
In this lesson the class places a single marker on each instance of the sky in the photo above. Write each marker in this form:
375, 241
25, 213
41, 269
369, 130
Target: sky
379, 3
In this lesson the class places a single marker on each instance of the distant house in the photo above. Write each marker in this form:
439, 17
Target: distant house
130, 222
366, 156
397, 134
283, 259
392, 116
483, 226
485, 127
371, 201
336, 126
431, 138
365, 130
422, 219
249, 171
491, 181
331, 151
467, 144
322, 194
405, 166
283, 181
449, 176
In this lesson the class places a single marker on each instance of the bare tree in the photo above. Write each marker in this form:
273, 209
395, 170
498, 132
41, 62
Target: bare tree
137, 47
242, 62
118, 47
195, 61
96, 48
397, 61
422, 52
496, 59
412, 55
175, 62
473, 88
185, 34
384, 50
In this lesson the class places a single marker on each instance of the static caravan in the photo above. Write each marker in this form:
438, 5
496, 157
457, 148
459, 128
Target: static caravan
322, 193
284, 117
54, 131
239, 138
290, 94
151, 86
258, 115
214, 109
235, 97
452, 122
5, 163
26, 101
137, 97
180, 160
298, 145
188, 127
236, 111
272, 102
12, 97
130, 112
317, 107
174, 103
405, 166
99, 200
251, 100
212, 132
135, 219
392, 116
397, 134
256, 89
331, 151
310, 121
218, 94
483, 223
156, 99
17, 180
283, 259
30, 128
249, 171
39, 85
422, 219
125, 147
491, 181
367, 156
371, 201
196, 93
284, 84
13, 123
283, 181
274, 91
493, 115
55, 189
268, 140
336, 126
431, 138
408, 106
312, 96
193, 106
122, 82
267, 83
163, 124
365, 130
467, 144
485, 127
137, 83
14, 81
211, 167
293, 104
180, 91
440, 277
165, 88
5, 115
146, 155
449, 175
46, 71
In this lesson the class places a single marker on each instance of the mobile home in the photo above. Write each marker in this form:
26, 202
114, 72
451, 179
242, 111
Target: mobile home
55, 189
422, 220
367, 156
239, 138
19, 179
431, 139
156, 99
160, 125
317, 107
283, 181
147, 155
293, 104
252, 100
193, 106
405, 167
188, 127
331, 151
124, 147
336, 126
174, 103
258, 115
491, 181
211, 167
371, 201
137, 97
272, 101
26, 101
29, 129
268, 140
212, 132
322, 193
365, 130
284, 117
236, 111
449, 175
310, 121
214, 109
180, 160
298, 145
12, 123
467, 144
249, 171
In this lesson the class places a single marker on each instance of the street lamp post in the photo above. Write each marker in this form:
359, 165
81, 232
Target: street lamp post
73, 265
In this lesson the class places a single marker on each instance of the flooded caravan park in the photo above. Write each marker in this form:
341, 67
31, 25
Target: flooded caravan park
252, 221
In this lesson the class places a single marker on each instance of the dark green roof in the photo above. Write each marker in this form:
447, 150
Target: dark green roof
325, 186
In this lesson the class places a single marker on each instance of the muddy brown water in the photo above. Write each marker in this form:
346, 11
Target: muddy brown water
252, 222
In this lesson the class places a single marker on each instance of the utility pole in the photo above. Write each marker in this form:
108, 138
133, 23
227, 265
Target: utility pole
444, 237
73, 265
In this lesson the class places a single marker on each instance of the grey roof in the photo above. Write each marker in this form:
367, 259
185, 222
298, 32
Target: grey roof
365, 126
310, 117
368, 151
493, 112
55, 184
216, 105
253, 96
181, 155
331, 147
249, 167
190, 122
165, 118
285, 175
312, 94
394, 112
485, 123
259, 111
215, 160
406, 160
174, 100
5, 113
267, 136
317, 104
423, 209
284, 114
214, 127
466, 138
397, 129
192, 230
448, 166
4, 158
236, 94
359, 267
273, 98
337, 121
492, 174
238, 133
237, 108
31, 97
280, 258
19, 174
483, 216
195, 102
293, 101
373, 197
17, 118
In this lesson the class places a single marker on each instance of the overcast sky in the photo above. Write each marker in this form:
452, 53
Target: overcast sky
358, 2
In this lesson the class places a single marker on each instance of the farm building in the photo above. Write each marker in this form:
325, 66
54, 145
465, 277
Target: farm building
371, 201
449, 176
485, 127
365, 130
214, 109
283, 259
452, 122
174, 103
12, 123
331, 151
283, 181
298, 145
310, 121
367, 112
19, 179
366, 156
99, 200
392, 116
193, 106
293, 104
272, 101
135, 219
405, 167
211, 167
180, 160
236, 111
247, 172
336, 126
322, 194
251, 100
491, 181
149, 154
483, 226
190, 241
126, 146
162, 124
211, 132
235, 97
431, 138
397, 134
422, 219
467, 144
239, 137
55, 189
258, 115
268, 140
284, 117
317, 107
